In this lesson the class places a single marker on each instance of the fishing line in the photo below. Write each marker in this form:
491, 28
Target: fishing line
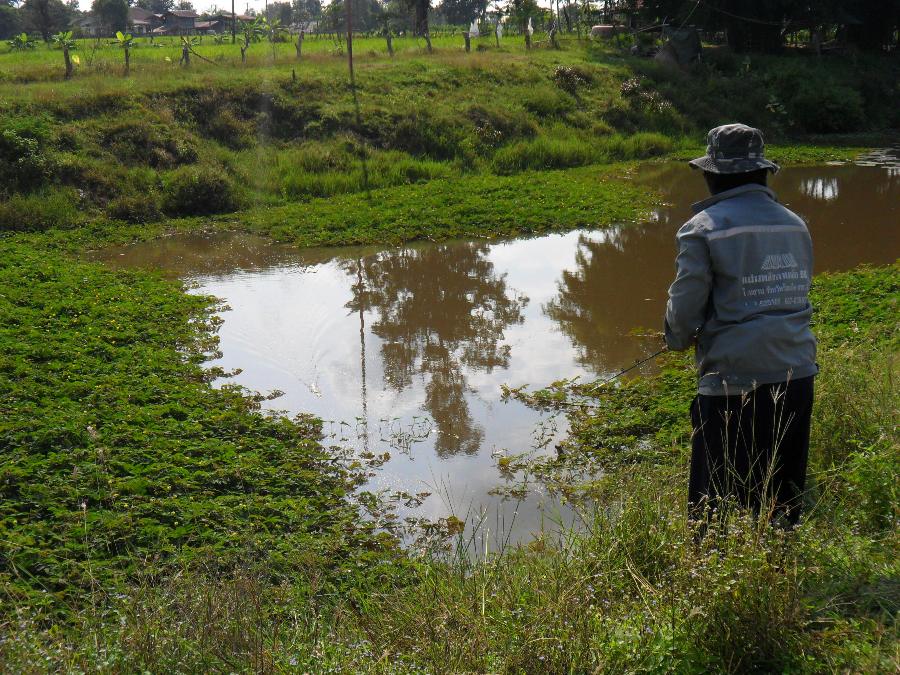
628, 369
637, 364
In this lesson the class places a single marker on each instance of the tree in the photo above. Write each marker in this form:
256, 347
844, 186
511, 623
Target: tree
871, 24
11, 21
113, 14
438, 327
421, 22
66, 42
307, 10
126, 42
185, 6
251, 31
156, 6
462, 12
283, 11
45, 17
519, 11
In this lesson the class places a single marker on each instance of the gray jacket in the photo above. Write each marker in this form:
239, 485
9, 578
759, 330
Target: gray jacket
741, 290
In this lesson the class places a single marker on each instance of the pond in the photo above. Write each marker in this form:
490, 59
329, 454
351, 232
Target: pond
405, 350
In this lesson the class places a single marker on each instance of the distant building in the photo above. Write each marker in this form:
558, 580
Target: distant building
177, 22
142, 21
91, 26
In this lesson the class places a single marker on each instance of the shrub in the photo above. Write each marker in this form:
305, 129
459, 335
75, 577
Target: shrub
229, 130
508, 124
543, 153
546, 102
100, 181
135, 208
827, 109
572, 78
157, 145
23, 162
419, 132
39, 211
193, 191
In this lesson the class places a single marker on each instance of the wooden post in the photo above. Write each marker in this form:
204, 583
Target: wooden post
390, 42
299, 45
68, 61
468, 40
527, 40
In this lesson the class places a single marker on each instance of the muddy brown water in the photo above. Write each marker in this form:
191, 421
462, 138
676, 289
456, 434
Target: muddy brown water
405, 350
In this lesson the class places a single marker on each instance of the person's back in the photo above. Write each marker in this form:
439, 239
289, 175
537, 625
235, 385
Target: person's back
740, 296
755, 316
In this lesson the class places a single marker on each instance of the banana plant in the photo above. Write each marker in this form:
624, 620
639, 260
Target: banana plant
65, 42
21, 42
251, 31
126, 42
273, 30
187, 46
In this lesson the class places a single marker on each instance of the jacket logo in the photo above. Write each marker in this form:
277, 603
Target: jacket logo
779, 261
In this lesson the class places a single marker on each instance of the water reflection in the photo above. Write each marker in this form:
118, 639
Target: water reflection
433, 326
423, 337
825, 189
592, 306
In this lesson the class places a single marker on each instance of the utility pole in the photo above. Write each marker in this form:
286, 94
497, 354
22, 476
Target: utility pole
233, 24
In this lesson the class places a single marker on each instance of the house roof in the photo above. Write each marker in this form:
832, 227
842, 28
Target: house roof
139, 14
183, 13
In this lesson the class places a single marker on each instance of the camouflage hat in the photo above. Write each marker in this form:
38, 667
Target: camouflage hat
734, 148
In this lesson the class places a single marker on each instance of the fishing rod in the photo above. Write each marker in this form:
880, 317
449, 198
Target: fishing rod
597, 386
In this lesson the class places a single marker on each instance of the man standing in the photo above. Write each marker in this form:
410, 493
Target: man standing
740, 296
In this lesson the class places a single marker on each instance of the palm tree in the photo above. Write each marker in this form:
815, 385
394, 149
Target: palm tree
65, 41
126, 42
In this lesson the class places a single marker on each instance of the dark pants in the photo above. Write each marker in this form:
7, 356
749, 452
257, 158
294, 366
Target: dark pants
751, 448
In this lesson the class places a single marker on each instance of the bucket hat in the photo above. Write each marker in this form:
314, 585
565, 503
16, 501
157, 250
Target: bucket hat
734, 148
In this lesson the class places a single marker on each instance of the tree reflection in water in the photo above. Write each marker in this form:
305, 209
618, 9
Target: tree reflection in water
440, 310
619, 282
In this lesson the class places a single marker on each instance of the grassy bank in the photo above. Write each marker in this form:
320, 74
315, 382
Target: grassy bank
165, 143
628, 592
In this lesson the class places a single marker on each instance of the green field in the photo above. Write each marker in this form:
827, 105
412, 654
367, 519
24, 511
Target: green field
151, 522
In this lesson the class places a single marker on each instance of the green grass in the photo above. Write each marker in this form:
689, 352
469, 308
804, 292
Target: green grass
475, 207
119, 458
